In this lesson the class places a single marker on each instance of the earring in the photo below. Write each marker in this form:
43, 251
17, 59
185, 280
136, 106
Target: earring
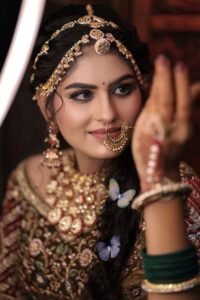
52, 156
117, 144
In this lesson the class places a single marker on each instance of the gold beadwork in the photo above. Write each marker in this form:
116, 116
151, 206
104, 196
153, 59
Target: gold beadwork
88, 20
117, 144
160, 192
54, 215
89, 9
50, 85
78, 203
102, 46
52, 156
170, 287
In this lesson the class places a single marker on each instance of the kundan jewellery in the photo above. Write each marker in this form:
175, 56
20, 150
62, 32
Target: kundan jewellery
77, 199
102, 46
52, 156
117, 144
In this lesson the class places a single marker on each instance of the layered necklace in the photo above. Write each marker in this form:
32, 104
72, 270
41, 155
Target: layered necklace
77, 199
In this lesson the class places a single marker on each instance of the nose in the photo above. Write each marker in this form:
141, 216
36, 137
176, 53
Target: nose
105, 111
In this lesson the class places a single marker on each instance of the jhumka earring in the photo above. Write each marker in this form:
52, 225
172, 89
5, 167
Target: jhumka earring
119, 143
52, 157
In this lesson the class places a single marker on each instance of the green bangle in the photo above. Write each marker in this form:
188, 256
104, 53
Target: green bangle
171, 268
173, 276
178, 255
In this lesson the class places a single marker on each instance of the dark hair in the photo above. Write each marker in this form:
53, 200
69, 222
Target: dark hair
104, 280
127, 34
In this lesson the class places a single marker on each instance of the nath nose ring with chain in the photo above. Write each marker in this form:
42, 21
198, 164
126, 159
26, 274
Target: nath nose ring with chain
117, 144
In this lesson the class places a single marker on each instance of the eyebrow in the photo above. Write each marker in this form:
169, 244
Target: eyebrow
91, 86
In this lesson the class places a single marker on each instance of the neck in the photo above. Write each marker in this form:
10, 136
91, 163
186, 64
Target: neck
87, 164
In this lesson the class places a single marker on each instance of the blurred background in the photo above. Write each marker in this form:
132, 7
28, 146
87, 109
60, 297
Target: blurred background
169, 26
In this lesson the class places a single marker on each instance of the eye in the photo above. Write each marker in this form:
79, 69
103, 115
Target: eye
125, 89
82, 96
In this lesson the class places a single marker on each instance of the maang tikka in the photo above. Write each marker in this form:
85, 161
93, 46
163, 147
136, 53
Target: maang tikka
119, 143
103, 41
52, 156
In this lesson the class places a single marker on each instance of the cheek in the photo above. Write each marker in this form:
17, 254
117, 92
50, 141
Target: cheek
69, 116
132, 107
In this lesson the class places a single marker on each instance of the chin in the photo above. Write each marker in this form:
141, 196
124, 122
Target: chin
104, 154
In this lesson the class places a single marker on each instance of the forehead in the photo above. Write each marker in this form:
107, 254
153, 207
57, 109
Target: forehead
91, 66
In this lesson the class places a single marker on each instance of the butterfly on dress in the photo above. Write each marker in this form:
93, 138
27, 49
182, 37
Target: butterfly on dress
109, 250
123, 199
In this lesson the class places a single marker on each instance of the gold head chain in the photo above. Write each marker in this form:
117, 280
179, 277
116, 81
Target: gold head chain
102, 46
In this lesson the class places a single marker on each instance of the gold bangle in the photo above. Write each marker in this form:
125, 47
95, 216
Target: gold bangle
171, 189
170, 287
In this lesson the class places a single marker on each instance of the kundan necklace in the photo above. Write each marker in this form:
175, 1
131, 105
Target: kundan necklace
77, 199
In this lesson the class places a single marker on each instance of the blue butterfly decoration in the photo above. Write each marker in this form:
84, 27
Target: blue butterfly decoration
109, 250
123, 199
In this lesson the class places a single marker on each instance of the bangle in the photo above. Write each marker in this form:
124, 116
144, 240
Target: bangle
171, 189
174, 267
170, 287
173, 272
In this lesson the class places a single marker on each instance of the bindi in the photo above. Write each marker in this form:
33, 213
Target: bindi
103, 83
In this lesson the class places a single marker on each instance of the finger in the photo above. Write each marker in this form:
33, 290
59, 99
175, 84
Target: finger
162, 92
184, 103
195, 91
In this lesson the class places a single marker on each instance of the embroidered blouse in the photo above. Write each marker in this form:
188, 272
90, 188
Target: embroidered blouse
37, 263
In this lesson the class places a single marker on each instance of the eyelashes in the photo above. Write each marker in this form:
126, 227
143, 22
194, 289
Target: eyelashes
86, 95
125, 89
82, 95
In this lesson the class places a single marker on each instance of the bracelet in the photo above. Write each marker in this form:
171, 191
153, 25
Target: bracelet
173, 267
170, 287
172, 189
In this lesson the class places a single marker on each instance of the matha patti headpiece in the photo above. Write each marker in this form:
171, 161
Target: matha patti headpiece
102, 46
89, 9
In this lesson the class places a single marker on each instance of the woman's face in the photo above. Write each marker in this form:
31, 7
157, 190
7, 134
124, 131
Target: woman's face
98, 92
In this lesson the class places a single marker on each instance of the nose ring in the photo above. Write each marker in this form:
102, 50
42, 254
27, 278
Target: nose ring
117, 144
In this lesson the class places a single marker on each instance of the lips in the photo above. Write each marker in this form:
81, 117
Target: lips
100, 133
104, 131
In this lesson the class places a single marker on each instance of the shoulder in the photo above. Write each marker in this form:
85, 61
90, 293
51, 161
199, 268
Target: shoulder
29, 175
38, 176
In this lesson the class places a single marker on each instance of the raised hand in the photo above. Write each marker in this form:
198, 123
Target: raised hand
164, 125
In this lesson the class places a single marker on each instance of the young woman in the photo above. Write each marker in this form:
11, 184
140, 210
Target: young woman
75, 222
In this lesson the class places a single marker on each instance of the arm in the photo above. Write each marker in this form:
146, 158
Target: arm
165, 233
164, 122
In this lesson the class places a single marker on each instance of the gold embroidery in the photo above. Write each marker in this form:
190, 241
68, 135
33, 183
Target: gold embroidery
28, 193
50, 265
187, 172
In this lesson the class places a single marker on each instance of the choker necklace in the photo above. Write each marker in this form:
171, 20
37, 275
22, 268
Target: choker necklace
77, 199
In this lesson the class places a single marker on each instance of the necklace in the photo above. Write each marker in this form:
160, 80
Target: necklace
77, 199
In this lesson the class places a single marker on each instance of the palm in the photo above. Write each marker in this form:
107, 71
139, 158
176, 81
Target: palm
164, 121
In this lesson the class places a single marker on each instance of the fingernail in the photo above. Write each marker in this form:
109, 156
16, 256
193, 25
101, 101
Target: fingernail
162, 61
180, 66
